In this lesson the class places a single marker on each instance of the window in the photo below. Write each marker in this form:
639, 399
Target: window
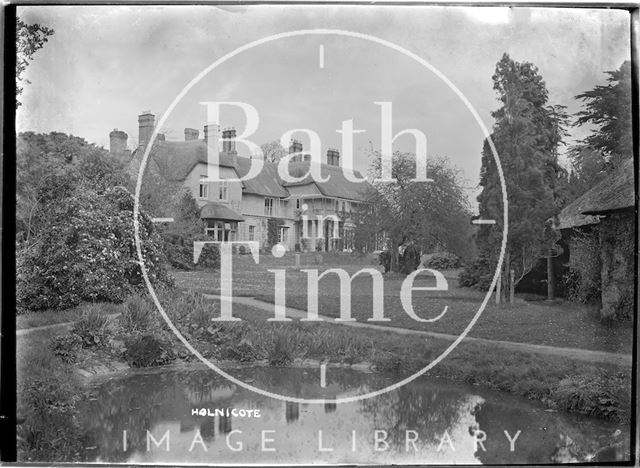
224, 190
284, 234
203, 191
268, 206
298, 203
252, 233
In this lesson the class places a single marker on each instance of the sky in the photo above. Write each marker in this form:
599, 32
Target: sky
107, 64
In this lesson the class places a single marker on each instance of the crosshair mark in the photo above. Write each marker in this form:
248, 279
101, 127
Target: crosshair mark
483, 221
321, 56
162, 220
323, 375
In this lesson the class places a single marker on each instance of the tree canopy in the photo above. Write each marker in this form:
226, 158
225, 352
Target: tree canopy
435, 215
607, 108
526, 134
29, 39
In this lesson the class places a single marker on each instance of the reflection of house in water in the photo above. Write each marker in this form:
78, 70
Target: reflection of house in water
224, 424
208, 429
292, 411
330, 406
207, 393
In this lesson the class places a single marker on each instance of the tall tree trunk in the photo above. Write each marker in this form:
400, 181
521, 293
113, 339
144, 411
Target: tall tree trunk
512, 286
551, 287
505, 275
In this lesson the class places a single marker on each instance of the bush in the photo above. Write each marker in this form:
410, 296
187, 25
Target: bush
146, 351
86, 253
599, 396
443, 261
209, 257
282, 352
306, 244
476, 274
138, 314
92, 328
51, 431
66, 347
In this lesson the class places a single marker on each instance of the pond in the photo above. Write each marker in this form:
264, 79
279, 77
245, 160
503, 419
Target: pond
149, 417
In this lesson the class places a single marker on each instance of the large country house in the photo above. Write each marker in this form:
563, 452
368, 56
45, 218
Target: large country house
308, 215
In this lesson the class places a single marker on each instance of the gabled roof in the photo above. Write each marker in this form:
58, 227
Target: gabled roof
337, 186
176, 159
615, 192
266, 183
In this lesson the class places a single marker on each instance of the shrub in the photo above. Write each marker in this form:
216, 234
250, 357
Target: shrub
51, 431
443, 261
599, 396
476, 274
146, 351
272, 232
66, 347
137, 315
86, 252
92, 328
306, 244
282, 352
209, 257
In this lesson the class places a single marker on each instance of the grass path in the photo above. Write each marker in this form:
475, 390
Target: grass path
573, 353
53, 326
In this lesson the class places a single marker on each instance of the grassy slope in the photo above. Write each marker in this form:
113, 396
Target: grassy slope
561, 324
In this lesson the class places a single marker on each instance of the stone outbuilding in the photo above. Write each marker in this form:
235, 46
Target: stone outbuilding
608, 212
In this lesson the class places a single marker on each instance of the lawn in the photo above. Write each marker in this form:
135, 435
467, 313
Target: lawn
561, 323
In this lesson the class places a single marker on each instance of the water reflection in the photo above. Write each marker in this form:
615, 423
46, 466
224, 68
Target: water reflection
424, 422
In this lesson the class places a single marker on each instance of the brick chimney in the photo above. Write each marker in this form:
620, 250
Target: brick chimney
146, 122
333, 157
117, 142
191, 134
295, 147
228, 140
211, 131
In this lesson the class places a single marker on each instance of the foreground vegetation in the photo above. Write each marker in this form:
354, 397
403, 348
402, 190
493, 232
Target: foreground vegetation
51, 364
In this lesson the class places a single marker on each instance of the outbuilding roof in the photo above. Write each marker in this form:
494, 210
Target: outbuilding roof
615, 192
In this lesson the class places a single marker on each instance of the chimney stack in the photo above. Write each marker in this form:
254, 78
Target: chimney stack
146, 123
295, 147
333, 157
117, 142
211, 131
228, 140
191, 134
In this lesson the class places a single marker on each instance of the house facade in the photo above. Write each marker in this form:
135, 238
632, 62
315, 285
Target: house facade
305, 216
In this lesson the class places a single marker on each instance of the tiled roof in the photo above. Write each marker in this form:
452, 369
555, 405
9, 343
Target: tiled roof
176, 159
337, 186
266, 183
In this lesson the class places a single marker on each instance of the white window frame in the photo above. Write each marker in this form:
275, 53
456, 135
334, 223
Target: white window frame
269, 206
283, 235
252, 233
203, 189
224, 186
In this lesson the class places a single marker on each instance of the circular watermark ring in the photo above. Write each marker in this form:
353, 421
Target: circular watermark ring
213, 66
